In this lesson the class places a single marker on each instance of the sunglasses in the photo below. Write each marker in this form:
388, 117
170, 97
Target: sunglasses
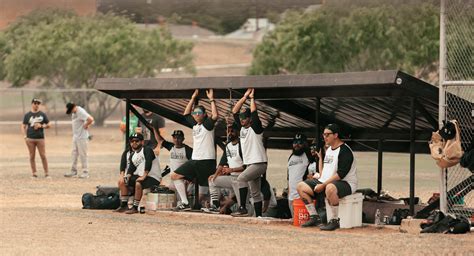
243, 116
134, 141
298, 142
36, 103
327, 134
198, 113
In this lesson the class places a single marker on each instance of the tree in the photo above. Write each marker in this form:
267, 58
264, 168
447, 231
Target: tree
68, 51
333, 40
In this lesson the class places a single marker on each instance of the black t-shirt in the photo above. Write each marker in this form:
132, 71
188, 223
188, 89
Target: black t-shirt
157, 122
30, 119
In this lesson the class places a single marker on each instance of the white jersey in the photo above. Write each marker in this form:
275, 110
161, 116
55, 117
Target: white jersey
296, 169
252, 146
138, 160
78, 120
203, 143
177, 157
336, 158
234, 159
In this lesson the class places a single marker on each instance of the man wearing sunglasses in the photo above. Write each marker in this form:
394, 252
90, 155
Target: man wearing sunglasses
203, 160
297, 167
32, 128
139, 169
254, 153
338, 179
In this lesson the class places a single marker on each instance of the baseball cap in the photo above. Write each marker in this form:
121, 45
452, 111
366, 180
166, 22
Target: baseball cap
299, 138
136, 136
233, 126
334, 128
36, 100
178, 133
69, 107
244, 114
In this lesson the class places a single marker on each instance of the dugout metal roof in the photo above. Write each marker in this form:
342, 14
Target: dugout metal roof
369, 106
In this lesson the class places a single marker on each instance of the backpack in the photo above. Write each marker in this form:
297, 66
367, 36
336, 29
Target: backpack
90, 201
445, 145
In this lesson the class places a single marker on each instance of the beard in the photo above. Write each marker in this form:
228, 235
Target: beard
298, 152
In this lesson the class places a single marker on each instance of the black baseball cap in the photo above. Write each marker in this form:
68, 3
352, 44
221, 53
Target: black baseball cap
178, 133
334, 128
69, 107
299, 138
245, 113
36, 100
138, 136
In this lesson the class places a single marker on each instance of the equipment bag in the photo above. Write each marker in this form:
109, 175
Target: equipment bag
445, 145
111, 201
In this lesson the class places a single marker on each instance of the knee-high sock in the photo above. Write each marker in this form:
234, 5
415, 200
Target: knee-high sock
181, 189
214, 195
258, 208
243, 196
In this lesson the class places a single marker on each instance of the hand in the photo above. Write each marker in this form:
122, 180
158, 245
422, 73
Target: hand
252, 93
247, 93
309, 177
195, 94
319, 154
141, 178
85, 126
319, 188
37, 126
212, 178
210, 94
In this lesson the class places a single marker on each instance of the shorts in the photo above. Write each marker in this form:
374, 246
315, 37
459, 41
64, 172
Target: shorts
200, 169
147, 183
343, 188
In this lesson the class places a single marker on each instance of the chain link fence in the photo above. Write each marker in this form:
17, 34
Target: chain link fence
105, 109
458, 86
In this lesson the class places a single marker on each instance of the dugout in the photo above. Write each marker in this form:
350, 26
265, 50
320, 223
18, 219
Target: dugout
383, 111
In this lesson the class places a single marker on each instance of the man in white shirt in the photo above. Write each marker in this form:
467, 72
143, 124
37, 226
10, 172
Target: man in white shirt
81, 120
338, 179
203, 160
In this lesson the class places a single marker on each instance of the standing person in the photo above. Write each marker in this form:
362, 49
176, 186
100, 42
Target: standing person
338, 179
203, 160
81, 121
157, 122
133, 124
139, 169
32, 128
254, 153
298, 163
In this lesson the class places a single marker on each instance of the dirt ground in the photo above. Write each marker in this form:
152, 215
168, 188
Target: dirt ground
44, 217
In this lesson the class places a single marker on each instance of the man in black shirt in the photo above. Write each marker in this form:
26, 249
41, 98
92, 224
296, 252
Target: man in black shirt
157, 122
32, 128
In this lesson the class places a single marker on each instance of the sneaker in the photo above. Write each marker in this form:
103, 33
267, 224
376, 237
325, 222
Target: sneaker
241, 212
70, 174
182, 207
332, 225
121, 209
142, 210
34, 176
211, 209
312, 222
84, 175
46, 176
132, 210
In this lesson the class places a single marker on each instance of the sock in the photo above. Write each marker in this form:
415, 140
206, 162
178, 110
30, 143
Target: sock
214, 196
136, 203
243, 196
335, 211
258, 208
181, 188
123, 201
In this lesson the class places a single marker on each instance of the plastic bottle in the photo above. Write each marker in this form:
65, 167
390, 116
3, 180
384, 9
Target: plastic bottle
377, 218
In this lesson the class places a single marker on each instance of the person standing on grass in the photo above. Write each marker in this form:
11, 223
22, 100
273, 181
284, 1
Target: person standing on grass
203, 160
32, 128
81, 121
254, 153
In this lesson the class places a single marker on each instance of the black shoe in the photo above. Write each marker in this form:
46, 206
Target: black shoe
332, 225
142, 210
312, 222
182, 207
132, 210
121, 209
241, 212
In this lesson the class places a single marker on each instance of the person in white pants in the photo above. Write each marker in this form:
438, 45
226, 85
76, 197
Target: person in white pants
81, 120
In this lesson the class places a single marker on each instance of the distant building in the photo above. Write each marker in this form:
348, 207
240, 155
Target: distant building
10, 10
251, 25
